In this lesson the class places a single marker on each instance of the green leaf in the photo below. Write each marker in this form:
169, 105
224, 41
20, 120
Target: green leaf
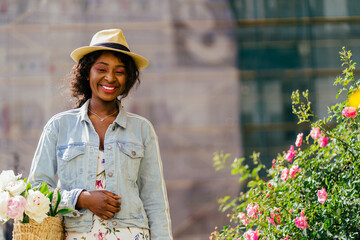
28, 186
50, 195
51, 211
64, 211
338, 211
44, 189
327, 224
57, 200
25, 219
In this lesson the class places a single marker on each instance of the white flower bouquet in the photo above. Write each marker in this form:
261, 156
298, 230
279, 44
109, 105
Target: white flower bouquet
34, 210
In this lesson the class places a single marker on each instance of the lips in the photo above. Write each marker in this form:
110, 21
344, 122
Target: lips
108, 88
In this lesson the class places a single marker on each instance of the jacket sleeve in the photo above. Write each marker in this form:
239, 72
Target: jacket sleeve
153, 190
44, 168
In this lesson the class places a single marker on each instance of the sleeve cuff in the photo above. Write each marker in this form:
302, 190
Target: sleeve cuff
69, 200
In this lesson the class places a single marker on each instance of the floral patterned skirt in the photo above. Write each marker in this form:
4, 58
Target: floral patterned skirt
100, 229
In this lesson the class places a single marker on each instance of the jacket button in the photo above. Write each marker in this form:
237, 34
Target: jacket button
133, 153
109, 147
114, 223
75, 214
110, 174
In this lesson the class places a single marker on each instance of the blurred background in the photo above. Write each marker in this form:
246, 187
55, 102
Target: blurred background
220, 78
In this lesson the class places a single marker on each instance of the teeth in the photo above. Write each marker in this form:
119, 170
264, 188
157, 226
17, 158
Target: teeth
109, 88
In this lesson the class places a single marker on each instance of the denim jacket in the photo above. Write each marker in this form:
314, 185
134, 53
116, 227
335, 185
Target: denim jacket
66, 157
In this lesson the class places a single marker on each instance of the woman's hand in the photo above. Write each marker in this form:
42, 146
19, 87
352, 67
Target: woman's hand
102, 203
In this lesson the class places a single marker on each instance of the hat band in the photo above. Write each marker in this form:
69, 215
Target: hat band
112, 45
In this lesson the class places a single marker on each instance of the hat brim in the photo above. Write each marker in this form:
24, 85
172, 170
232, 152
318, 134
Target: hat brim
78, 53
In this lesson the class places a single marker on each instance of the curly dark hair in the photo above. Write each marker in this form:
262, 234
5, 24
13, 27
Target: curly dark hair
80, 86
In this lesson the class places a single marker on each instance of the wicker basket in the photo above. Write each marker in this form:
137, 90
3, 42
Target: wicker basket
51, 228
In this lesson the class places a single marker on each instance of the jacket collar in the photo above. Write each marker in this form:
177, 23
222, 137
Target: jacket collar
121, 118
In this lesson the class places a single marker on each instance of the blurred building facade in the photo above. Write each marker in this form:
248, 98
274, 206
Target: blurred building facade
189, 91
283, 46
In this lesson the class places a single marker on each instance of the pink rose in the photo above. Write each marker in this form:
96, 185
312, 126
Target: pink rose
299, 139
315, 133
290, 154
323, 141
16, 207
243, 218
293, 171
252, 210
271, 220
275, 215
251, 234
349, 112
286, 238
284, 174
211, 236
322, 195
301, 222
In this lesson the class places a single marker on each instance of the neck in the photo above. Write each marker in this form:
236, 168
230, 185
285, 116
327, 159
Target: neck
103, 108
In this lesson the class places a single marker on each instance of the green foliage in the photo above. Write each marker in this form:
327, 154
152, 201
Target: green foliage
55, 198
334, 166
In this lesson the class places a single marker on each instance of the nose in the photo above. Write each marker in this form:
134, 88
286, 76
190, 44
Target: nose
110, 77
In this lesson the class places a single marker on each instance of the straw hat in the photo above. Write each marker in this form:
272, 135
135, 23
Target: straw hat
109, 39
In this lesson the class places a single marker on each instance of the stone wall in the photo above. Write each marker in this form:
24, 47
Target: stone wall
189, 91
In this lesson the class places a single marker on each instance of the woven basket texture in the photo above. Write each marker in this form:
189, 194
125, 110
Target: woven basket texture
51, 228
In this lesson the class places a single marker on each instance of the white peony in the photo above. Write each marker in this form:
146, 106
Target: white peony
7, 177
4, 198
37, 206
16, 188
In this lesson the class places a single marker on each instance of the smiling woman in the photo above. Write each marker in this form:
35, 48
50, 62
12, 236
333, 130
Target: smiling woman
107, 160
107, 81
82, 91
107, 78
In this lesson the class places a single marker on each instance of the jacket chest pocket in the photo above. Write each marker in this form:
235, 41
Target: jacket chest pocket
132, 154
71, 163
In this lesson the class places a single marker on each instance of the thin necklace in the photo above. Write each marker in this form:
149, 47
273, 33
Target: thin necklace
102, 119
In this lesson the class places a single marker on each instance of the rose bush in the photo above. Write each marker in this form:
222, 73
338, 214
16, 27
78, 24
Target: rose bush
312, 192
19, 201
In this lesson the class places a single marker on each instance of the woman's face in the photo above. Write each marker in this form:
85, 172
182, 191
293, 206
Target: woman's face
107, 78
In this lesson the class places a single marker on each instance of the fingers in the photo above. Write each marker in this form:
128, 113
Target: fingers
104, 204
113, 195
106, 215
113, 200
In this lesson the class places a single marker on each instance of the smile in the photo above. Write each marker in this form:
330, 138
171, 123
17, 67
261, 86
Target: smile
108, 89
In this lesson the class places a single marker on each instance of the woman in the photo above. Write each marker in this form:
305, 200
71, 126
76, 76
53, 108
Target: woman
106, 160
